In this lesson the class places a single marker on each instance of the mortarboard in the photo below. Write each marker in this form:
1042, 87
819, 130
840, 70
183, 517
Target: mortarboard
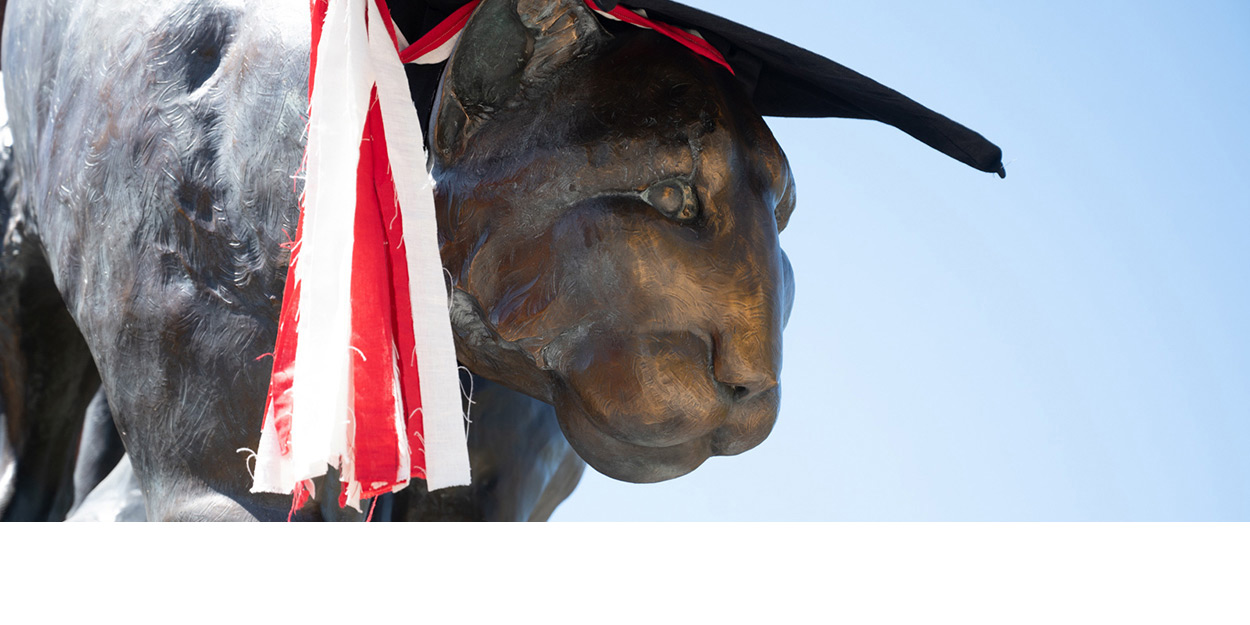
783, 79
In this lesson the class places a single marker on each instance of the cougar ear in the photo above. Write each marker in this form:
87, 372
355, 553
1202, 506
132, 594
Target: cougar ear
505, 44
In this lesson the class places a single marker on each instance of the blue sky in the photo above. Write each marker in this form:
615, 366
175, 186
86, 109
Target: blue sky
1071, 343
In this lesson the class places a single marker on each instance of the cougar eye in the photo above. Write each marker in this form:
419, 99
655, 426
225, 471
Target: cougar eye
674, 198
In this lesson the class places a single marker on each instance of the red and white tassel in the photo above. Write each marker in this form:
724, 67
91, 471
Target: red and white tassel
365, 378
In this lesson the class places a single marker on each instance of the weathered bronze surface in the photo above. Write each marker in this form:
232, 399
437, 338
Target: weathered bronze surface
611, 208
608, 205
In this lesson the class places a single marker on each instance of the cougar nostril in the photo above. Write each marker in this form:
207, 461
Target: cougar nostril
746, 390
742, 368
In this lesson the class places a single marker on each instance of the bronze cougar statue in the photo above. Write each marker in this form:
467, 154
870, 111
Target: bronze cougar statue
608, 210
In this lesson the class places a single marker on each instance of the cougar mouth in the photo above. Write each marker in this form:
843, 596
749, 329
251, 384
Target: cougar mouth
643, 464
623, 460
647, 409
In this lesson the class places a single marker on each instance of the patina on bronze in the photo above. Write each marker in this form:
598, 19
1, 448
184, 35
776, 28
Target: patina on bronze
575, 167
609, 206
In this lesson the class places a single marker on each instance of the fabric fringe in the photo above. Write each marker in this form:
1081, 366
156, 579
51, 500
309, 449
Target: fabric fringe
365, 374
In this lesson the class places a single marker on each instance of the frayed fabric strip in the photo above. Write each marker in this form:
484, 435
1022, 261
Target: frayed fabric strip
365, 377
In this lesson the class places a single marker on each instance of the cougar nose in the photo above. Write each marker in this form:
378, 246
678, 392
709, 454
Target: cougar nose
746, 363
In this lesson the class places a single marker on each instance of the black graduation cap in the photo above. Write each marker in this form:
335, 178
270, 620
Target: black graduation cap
783, 79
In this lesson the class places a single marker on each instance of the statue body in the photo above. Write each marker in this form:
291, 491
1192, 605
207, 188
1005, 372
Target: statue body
608, 211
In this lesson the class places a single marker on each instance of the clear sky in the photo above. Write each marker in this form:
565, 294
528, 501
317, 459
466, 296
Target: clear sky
1071, 343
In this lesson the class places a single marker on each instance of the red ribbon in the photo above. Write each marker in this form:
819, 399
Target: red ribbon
452, 26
